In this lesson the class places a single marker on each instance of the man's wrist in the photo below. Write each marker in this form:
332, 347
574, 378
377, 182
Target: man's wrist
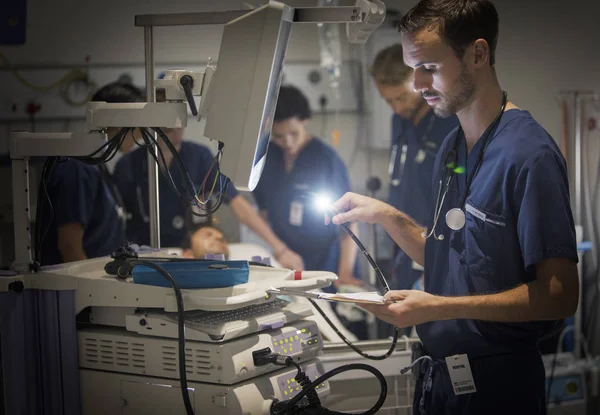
280, 251
389, 216
449, 308
344, 275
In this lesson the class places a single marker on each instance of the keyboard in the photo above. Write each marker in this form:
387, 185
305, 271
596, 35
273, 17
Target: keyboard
216, 326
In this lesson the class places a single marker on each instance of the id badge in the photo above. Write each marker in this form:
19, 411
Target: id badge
460, 374
296, 213
417, 267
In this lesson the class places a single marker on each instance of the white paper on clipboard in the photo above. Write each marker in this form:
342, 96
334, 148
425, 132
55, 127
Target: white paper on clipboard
358, 298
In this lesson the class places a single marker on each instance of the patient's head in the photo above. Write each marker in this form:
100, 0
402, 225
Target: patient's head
205, 239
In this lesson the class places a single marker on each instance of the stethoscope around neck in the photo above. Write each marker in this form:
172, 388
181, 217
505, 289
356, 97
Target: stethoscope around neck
455, 217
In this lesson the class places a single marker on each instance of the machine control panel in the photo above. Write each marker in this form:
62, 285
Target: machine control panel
291, 343
289, 387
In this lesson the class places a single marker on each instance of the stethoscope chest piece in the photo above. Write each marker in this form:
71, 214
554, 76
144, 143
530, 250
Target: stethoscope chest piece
455, 219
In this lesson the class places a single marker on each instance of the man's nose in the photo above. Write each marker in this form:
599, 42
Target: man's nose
421, 80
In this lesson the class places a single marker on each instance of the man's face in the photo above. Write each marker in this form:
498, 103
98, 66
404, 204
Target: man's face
446, 82
209, 241
403, 100
290, 135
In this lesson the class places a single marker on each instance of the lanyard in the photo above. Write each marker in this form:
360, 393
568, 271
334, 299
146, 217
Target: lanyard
424, 145
115, 193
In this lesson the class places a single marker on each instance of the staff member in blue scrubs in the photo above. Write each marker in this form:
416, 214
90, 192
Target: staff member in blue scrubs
417, 133
87, 215
499, 249
132, 180
298, 168
84, 221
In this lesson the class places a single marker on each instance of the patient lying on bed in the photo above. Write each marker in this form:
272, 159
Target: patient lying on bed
205, 240
208, 239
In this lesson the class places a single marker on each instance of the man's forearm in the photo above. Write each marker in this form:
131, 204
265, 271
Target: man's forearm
348, 253
537, 300
249, 217
406, 233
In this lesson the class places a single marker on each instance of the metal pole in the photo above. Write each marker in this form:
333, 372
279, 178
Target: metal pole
578, 162
21, 215
153, 192
579, 216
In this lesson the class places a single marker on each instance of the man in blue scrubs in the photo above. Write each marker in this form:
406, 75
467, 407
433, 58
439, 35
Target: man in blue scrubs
86, 218
417, 133
499, 254
175, 217
300, 168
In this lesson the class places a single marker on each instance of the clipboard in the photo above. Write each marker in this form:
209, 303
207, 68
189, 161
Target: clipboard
372, 297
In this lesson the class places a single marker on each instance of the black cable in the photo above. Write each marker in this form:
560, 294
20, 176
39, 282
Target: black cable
164, 169
147, 137
386, 288
180, 326
185, 203
110, 148
303, 380
352, 346
191, 189
177, 159
366, 253
39, 235
341, 369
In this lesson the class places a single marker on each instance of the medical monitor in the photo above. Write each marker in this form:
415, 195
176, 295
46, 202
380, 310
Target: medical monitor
244, 89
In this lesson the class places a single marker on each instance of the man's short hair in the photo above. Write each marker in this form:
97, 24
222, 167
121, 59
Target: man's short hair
292, 103
388, 67
458, 22
119, 92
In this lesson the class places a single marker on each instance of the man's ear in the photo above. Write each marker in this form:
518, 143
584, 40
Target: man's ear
481, 52
187, 253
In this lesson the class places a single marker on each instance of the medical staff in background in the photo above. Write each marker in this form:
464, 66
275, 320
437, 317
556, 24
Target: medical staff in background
176, 217
417, 133
86, 217
299, 169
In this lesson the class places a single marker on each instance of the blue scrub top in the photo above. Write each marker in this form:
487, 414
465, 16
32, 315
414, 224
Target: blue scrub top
517, 214
131, 177
412, 195
286, 197
79, 194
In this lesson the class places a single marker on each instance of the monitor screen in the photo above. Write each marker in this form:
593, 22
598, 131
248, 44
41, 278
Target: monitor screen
244, 90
